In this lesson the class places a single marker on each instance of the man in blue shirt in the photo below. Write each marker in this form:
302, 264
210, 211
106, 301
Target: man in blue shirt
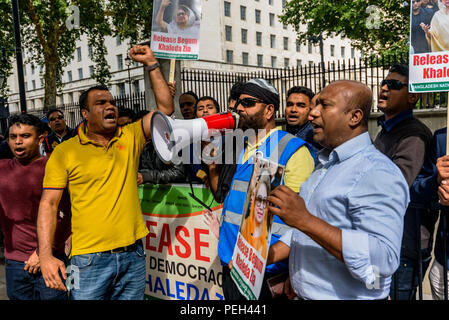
348, 216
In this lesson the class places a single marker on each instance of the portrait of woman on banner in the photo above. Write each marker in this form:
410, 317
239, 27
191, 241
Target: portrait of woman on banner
437, 33
257, 223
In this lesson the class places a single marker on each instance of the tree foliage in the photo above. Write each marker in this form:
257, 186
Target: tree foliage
50, 29
374, 26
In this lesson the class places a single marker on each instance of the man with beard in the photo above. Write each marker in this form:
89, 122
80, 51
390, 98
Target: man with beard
256, 106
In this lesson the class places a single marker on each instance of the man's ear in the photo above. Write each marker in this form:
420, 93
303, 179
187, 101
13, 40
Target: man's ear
413, 98
356, 117
269, 111
84, 112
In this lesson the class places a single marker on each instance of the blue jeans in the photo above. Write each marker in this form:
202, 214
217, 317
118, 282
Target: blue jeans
408, 278
108, 276
22, 285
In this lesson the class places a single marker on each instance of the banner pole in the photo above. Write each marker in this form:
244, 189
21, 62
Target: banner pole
171, 77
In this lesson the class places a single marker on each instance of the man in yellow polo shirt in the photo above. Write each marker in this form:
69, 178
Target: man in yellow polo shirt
99, 168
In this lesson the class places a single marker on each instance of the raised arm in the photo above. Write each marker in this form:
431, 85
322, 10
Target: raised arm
160, 15
164, 100
46, 225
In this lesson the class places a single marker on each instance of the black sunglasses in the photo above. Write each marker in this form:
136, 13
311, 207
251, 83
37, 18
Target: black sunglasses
247, 102
393, 84
58, 117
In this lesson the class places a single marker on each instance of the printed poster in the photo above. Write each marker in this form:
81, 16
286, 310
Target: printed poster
181, 247
253, 240
176, 29
429, 46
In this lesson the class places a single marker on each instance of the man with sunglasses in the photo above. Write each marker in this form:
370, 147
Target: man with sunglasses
406, 141
257, 105
60, 131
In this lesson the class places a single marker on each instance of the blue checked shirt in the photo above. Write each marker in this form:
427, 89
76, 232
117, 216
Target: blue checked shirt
360, 191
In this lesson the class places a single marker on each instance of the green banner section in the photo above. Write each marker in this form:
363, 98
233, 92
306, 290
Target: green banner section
429, 87
174, 200
242, 285
176, 56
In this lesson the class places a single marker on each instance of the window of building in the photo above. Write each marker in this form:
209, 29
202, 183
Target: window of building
285, 43
229, 56
271, 19
136, 87
71, 97
310, 47
33, 84
91, 71
228, 33
286, 62
352, 53
69, 76
273, 62
227, 9
257, 16
242, 13
332, 50
270, 2
42, 82
244, 36
32, 69
258, 38
299, 63
90, 51
343, 52
272, 41
119, 62
121, 89
245, 58
118, 40
78, 53
298, 45
259, 60
80, 73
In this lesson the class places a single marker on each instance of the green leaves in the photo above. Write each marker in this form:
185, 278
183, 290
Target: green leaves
373, 26
50, 29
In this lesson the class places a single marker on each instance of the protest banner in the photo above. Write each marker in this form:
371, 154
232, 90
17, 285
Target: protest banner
429, 47
182, 258
253, 240
176, 29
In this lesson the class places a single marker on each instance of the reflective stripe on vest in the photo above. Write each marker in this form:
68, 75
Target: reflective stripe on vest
236, 219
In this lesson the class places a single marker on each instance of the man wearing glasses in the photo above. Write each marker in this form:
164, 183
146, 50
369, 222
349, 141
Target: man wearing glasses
257, 105
60, 130
406, 141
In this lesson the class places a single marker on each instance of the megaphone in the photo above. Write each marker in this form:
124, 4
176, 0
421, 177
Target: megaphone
170, 135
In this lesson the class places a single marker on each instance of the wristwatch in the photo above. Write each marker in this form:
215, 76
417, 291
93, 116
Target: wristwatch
152, 66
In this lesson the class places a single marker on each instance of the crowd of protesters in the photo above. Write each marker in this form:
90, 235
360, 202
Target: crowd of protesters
348, 213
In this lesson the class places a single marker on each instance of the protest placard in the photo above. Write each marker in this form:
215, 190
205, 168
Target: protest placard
182, 258
429, 47
253, 240
176, 29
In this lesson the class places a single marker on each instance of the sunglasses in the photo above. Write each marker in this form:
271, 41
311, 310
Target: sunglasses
58, 117
393, 84
247, 102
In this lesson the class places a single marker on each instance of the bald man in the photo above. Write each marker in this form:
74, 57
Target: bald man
348, 216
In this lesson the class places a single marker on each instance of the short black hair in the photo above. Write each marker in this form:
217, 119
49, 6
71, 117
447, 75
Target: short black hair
141, 114
85, 94
402, 69
204, 98
235, 91
191, 93
126, 112
301, 90
28, 119
49, 112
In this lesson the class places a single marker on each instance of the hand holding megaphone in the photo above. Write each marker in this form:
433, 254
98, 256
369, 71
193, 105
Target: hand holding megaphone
169, 135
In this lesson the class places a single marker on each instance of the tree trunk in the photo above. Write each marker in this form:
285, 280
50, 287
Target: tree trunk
50, 76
